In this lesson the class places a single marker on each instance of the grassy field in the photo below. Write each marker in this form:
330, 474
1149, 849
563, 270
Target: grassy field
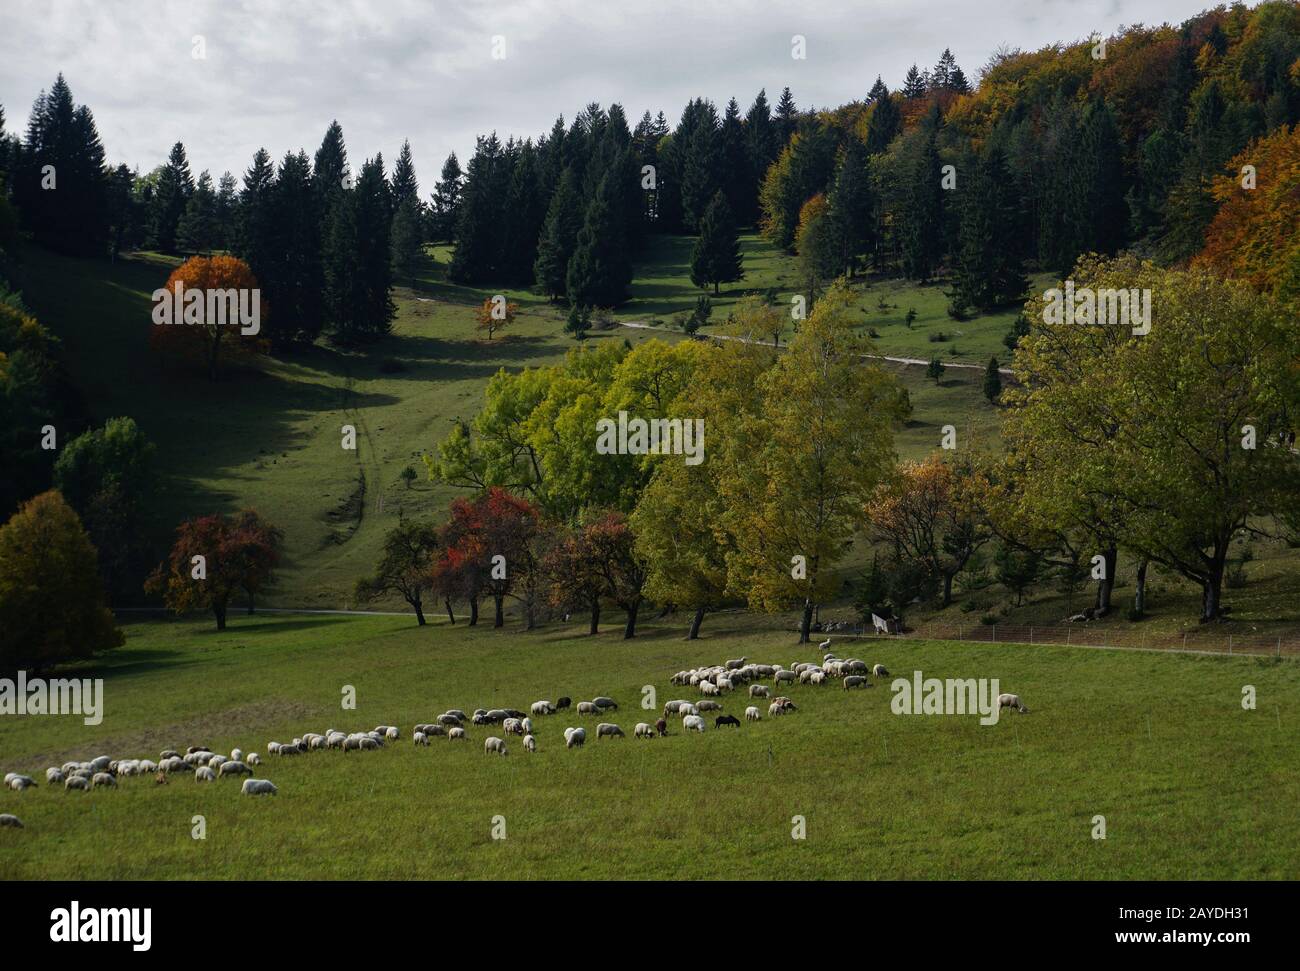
269, 436
1191, 785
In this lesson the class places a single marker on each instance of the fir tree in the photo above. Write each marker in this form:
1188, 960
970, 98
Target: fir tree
702, 171
787, 117
559, 237
716, 258
913, 84
989, 271
886, 121
600, 270
170, 197
481, 219
225, 211
992, 380
852, 206
293, 279
446, 200
196, 232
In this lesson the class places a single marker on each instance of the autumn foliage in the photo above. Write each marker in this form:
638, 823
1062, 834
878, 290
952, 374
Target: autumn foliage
494, 315
201, 337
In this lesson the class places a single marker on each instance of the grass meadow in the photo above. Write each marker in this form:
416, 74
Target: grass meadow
1190, 784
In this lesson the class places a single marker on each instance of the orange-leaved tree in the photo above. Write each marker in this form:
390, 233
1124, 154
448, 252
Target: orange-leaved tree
209, 303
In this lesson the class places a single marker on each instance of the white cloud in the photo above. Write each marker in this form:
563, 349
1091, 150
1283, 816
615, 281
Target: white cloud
277, 73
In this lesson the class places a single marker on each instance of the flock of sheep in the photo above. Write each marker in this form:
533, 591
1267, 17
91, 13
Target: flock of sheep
712, 682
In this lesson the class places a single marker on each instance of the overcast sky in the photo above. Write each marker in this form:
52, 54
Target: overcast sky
277, 71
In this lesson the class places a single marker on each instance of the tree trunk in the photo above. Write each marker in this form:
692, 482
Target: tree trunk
696, 621
947, 589
219, 610
473, 611
500, 619
806, 623
1140, 591
419, 613
715, 288
1106, 585
447, 603
250, 603
629, 631
1212, 585
595, 617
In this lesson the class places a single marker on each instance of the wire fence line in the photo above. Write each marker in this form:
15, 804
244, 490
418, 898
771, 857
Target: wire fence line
1280, 644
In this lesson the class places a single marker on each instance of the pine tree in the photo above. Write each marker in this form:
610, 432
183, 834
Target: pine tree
702, 171
913, 84
254, 223
481, 219
941, 76
787, 117
170, 196
761, 149
921, 218
446, 200
878, 91
225, 212
716, 258
358, 302
934, 370
992, 380
989, 270
294, 277
196, 232
734, 172
852, 206
886, 121
525, 214
406, 188
600, 270
60, 181
406, 246
578, 322
559, 237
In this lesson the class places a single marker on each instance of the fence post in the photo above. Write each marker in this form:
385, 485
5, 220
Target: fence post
1184, 640
1229, 643
1031, 635
1068, 631
1279, 645
995, 633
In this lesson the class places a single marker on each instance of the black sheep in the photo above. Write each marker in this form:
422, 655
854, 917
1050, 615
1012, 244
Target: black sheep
563, 703
726, 720
661, 727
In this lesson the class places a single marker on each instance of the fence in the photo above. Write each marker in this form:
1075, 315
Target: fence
1284, 644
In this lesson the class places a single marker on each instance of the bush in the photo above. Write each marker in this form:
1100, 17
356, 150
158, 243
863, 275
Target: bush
988, 619
937, 337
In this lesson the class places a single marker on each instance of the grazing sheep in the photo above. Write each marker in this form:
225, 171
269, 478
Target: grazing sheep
54, 776
217, 761
643, 730
8, 819
147, 766
236, 755
709, 706
784, 676
273, 748
603, 703
494, 744
817, 677
20, 782
824, 645
856, 681
432, 730
563, 703
726, 720
168, 754
708, 688
879, 671
687, 711
258, 787
542, 708
253, 759
661, 727
758, 691
693, 723
393, 733
100, 764
513, 726
369, 744
452, 718
530, 743
527, 725
420, 738
454, 733
77, 782
288, 750
497, 715
233, 768
610, 729
775, 709
1012, 701
587, 708
204, 774
737, 663
456, 713
103, 779
752, 714
672, 707
574, 737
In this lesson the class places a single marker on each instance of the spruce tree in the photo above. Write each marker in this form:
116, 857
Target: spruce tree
989, 270
446, 200
921, 218
481, 219
886, 122
406, 188
294, 279
913, 84
196, 232
787, 117
716, 258
559, 238
992, 380
852, 206
742, 194
878, 91
225, 211
601, 269
170, 196
525, 213
702, 168
761, 150
254, 224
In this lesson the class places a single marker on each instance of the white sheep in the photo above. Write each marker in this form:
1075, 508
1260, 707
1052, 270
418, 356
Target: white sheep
530, 743
236, 755
455, 733
780, 676
54, 776
1012, 701
587, 708
774, 709
643, 730
204, 774
392, 733
693, 723
879, 671
817, 677
752, 714
527, 725
273, 748
78, 782
494, 744
147, 767
687, 711
100, 764
103, 779
573, 737
168, 754
758, 691
709, 706
258, 787
8, 819
19, 782
420, 738
542, 708
513, 726
856, 681
610, 729
233, 768
253, 759
737, 663
708, 688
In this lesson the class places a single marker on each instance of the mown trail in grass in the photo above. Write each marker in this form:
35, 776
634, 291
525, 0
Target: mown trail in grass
1191, 784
